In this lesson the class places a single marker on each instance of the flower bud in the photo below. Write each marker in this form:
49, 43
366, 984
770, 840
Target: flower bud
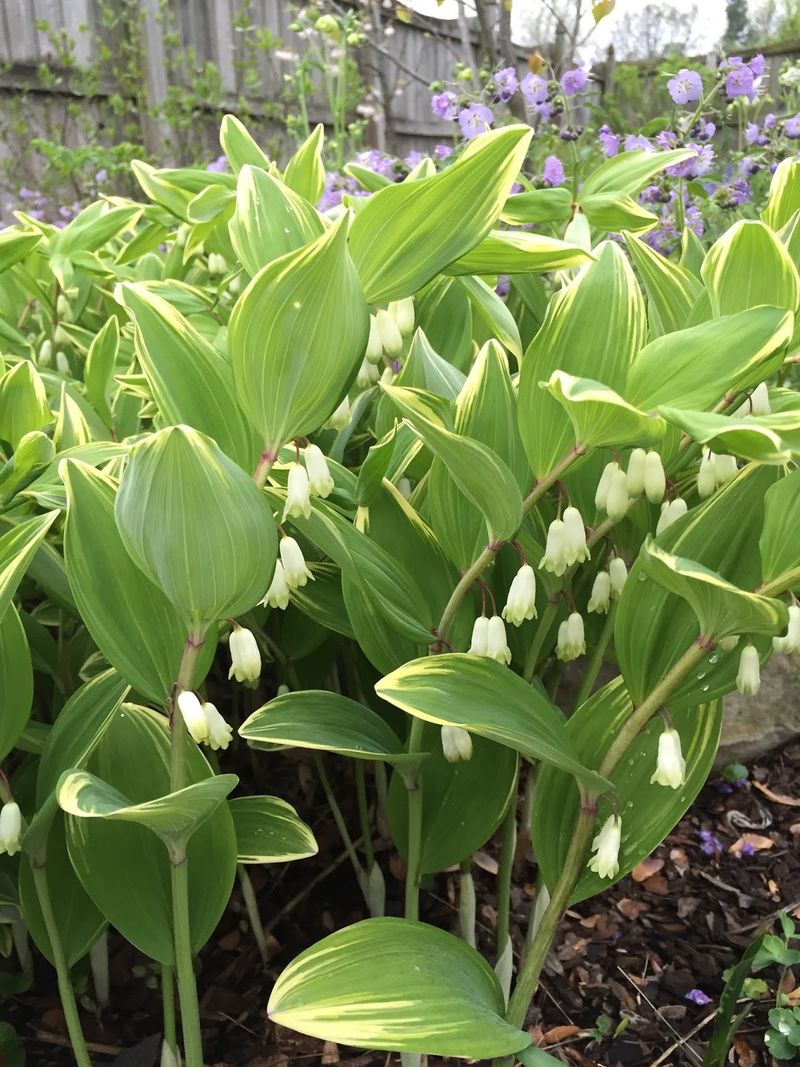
193, 716
367, 375
576, 550
759, 400
298, 501
374, 345
707, 476
618, 573
479, 646
391, 338
216, 264
219, 731
320, 482
60, 336
728, 644
521, 603
10, 828
726, 468
341, 417
606, 844
456, 744
670, 765
62, 363
571, 639
671, 512
636, 466
245, 656
402, 311
277, 596
555, 551
791, 641
655, 481
168, 1057
294, 565
327, 24
64, 309
748, 680
45, 357
617, 498
600, 597
497, 646
601, 493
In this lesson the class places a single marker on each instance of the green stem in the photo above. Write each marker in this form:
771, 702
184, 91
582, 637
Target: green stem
253, 914
187, 987
596, 659
584, 826
508, 846
382, 789
363, 813
264, 466
65, 990
168, 1008
414, 788
341, 825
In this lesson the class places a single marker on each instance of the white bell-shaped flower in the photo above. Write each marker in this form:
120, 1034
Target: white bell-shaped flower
759, 400
277, 595
320, 482
601, 493
521, 602
726, 467
748, 680
605, 846
294, 564
368, 374
456, 744
571, 638
479, 645
298, 498
576, 549
728, 644
62, 363
245, 655
219, 731
497, 645
670, 764
555, 549
374, 350
635, 472
617, 498
10, 828
402, 311
655, 480
618, 573
600, 597
790, 642
671, 512
391, 338
193, 715
341, 417
707, 476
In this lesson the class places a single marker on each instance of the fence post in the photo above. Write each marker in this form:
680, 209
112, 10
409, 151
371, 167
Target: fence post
154, 71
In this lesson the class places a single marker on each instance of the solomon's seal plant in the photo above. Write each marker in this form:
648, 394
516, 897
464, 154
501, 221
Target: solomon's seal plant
303, 479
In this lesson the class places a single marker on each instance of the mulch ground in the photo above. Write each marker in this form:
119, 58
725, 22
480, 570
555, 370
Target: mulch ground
614, 989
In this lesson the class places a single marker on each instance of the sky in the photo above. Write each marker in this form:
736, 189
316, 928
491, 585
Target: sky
709, 26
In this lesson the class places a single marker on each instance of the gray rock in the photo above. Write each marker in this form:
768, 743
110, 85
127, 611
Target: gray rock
755, 725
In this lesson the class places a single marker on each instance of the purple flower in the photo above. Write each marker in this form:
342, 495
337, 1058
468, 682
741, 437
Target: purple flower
505, 83
26, 194
751, 132
413, 158
442, 151
757, 65
770, 121
503, 286
748, 166
697, 996
443, 105
695, 166
747, 849
739, 82
534, 88
791, 127
474, 120
609, 141
544, 111
573, 81
101, 176
685, 87
218, 165
703, 130
710, 844
376, 161
667, 139
553, 172
635, 142
652, 194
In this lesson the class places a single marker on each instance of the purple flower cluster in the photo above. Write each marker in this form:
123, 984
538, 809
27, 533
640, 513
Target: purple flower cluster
505, 84
34, 203
336, 187
378, 162
696, 166
712, 846
574, 81
686, 87
444, 105
742, 78
474, 119
553, 172
610, 142
697, 996
218, 165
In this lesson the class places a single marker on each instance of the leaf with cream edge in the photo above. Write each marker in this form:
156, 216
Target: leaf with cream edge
594, 327
784, 194
190, 381
494, 312
761, 438
748, 266
407, 233
270, 220
297, 337
305, 171
479, 473
15, 245
101, 361
268, 830
326, 722
778, 544
17, 549
626, 173
600, 417
672, 291
399, 986
721, 607
16, 680
538, 205
197, 526
515, 252
486, 698
23, 403
239, 146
